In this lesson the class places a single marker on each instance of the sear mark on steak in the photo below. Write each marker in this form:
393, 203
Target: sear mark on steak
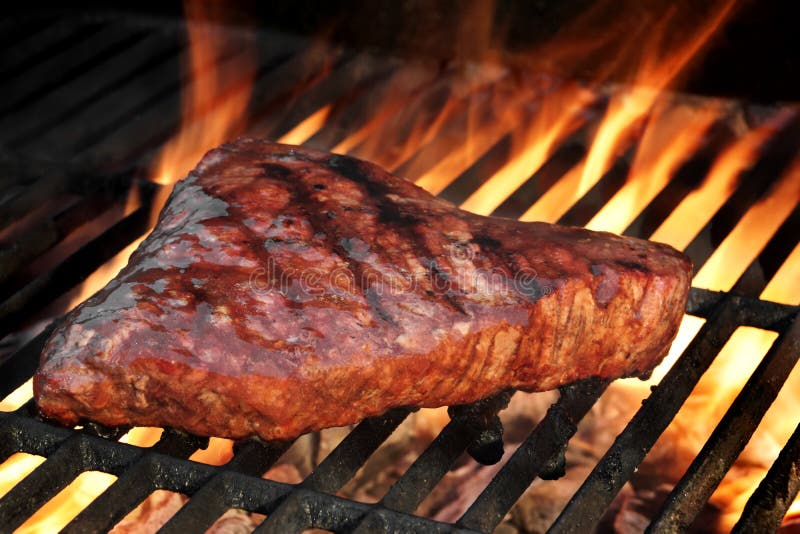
285, 290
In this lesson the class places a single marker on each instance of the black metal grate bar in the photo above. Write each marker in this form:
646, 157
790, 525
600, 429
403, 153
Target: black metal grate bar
688, 177
752, 186
253, 457
142, 129
21, 365
586, 507
754, 312
546, 442
46, 76
490, 162
42, 46
766, 264
347, 458
42, 484
343, 462
19, 307
359, 108
477, 106
48, 234
133, 486
563, 159
359, 70
72, 97
121, 120
465, 427
320, 510
776, 493
593, 201
731, 435
25, 35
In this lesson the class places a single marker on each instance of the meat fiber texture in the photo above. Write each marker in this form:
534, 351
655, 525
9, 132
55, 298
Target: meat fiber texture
285, 290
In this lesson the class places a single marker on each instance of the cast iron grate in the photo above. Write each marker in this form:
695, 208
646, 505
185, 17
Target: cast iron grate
107, 88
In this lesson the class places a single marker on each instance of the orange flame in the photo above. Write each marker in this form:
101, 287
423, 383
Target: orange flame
673, 133
654, 70
557, 118
741, 354
215, 100
698, 207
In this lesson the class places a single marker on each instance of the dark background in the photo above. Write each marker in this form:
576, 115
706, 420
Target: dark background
755, 55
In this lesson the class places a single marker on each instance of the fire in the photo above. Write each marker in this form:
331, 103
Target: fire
659, 132
653, 72
215, 101
303, 131
693, 213
558, 117
740, 355
755, 228
214, 109
672, 135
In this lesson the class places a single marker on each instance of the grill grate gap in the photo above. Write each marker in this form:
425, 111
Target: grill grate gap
731, 435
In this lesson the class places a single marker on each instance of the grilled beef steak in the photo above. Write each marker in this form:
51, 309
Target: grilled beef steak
286, 290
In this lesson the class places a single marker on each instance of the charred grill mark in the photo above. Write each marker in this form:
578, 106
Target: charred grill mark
326, 222
486, 242
374, 301
258, 247
492, 248
275, 170
440, 280
523, 282
398, 221
632, 265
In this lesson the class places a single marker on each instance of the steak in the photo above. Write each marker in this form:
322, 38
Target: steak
285, 290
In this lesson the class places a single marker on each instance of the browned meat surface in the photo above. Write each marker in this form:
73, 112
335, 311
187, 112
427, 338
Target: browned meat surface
286, 290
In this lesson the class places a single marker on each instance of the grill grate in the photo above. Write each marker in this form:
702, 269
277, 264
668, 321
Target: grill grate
107, 88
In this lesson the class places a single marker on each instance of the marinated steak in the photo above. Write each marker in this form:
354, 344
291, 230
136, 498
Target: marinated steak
286, 290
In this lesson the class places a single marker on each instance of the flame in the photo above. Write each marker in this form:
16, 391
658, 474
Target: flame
627, 109
741, 354
218, 452
67, 503
558, 117
750, 234
215, 101
700, 205
18, 397
786, 280
488, 119
435, 124
672, 135
404, 125
142, 436
213, 110
311, 125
